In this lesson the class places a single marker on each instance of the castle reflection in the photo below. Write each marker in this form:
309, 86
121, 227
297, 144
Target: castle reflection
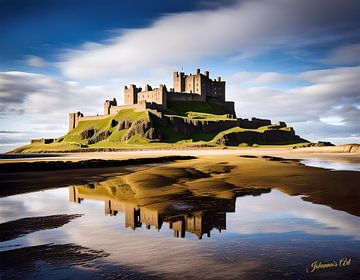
191, 214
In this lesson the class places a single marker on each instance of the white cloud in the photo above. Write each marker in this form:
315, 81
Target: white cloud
38, 105
243, 29
36, 94
333, 120
323, 108
35, 61
259, 78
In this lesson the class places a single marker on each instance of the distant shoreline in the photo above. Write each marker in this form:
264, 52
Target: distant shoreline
12, 167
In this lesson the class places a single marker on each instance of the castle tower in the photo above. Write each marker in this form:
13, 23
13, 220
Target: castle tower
74, 120
179, 81
108, 104
131, 94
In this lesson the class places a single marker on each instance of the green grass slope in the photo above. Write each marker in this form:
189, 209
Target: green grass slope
108, 132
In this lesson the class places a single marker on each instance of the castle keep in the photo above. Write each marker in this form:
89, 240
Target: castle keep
194, 109
192, 87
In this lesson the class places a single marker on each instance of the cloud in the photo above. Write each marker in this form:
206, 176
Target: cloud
259, 78
323, 106
36, 94
38, 105
35, 61
239, 30
326, 106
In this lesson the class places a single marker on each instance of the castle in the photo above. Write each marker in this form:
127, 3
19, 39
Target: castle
166, 122
200, 221
192, 87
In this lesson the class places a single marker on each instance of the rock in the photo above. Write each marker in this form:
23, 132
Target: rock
125, 124
141, 127
99, 136
251, 137
88, 133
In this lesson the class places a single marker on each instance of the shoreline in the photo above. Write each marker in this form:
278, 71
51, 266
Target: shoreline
29, 175
25, 166
340, 153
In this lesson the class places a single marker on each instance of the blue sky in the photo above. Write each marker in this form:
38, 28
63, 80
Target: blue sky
296, 61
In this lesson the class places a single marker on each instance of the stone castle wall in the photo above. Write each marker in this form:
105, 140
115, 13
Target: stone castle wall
157, 95
181, 96
92, 118
197, 87
200, 84
136, 107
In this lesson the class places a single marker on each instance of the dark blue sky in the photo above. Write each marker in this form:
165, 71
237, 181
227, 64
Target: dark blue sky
45, 28
41, 27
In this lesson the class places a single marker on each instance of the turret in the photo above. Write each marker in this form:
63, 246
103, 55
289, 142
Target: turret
108, 104
131, 94
74, 120
179, 81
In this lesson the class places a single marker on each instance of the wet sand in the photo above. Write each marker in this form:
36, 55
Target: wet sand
14, 229
227, 176
210, 182
220, 172
333, 153
27, 176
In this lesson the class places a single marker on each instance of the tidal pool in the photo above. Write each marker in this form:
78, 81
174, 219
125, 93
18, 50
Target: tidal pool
267, 236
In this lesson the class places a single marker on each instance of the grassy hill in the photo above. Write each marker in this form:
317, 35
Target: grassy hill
183, 124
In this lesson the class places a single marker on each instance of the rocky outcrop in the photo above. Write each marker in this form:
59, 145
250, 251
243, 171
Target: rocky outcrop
88, 133
124, 124
94, 135
186, 126
251, 137
254, 123
143, 127
99, 136
157, 127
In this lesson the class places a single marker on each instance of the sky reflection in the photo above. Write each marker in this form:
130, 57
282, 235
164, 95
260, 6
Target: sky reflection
273, 224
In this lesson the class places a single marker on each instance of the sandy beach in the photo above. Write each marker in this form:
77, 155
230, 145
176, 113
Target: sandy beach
340, 153
195, 192
236, 170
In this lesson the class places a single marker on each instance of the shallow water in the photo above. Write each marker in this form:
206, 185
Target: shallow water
331, 164
271, 236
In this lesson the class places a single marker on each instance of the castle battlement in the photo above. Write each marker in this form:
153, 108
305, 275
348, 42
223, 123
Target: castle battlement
197, 87
186, 87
